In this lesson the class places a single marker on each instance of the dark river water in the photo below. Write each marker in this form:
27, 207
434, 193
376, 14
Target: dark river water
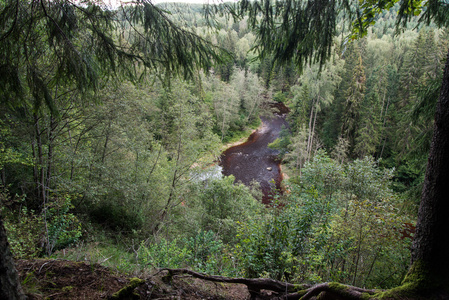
253, 160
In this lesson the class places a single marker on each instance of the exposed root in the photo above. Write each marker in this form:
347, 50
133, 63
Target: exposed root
266, 288
335, 291
255, 285
285, 290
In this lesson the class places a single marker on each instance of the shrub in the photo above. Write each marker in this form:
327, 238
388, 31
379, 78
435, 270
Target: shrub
164, 254
63, 227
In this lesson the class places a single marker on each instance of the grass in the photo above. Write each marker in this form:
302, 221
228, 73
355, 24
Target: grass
106, 252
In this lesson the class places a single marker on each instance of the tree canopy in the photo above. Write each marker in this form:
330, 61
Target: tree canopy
132, 163
48, 44
305, 32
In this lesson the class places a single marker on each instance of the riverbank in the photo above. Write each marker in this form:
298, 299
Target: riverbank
243, 137
240, 140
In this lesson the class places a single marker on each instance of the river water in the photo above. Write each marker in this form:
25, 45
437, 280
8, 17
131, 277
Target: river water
253, 160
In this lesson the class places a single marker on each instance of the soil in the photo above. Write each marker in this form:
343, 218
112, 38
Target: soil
62, 279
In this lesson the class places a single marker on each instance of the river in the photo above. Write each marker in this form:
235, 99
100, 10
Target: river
253, 160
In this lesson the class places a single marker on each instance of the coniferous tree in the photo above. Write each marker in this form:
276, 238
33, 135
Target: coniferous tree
367, 135
354, 97
368, 132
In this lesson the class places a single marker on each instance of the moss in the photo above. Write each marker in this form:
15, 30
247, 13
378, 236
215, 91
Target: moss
338, 287
418, 283
346, 290
366, 296
419, 276
128, 291
300, 287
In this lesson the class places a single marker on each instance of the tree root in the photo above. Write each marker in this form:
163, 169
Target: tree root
254, 285
285, 290
334, 291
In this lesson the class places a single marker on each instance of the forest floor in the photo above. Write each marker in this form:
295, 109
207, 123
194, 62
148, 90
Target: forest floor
63, 279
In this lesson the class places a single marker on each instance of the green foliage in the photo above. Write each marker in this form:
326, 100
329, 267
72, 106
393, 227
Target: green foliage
276, 244
219, 204
291, 30
63, 227
428, 11
355, 94
24, 227
204, 252
8, 153
323, 174
280, 97
362, 235
299, 106
365, 241
31, 233
236, 104
134, 160
99, 246
164, 254
84, 46
340, 223
282, 142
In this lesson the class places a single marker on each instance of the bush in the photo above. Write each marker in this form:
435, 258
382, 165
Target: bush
217, 205
25, 232
274, 245
31, 234
63, 227
164, 254
339, 223
204, 252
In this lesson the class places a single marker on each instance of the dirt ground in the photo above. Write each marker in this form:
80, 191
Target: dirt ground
62, 279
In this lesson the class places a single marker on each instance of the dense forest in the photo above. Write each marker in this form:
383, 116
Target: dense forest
122, 170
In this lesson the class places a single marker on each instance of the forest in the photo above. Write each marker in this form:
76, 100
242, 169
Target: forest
113, 121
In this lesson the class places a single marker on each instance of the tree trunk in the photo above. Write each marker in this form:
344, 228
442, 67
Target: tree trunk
309, 139
51, 138
9, 280
313, 132
39, 172
430, 262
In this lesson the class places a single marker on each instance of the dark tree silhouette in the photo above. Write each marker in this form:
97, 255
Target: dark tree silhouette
9, 281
